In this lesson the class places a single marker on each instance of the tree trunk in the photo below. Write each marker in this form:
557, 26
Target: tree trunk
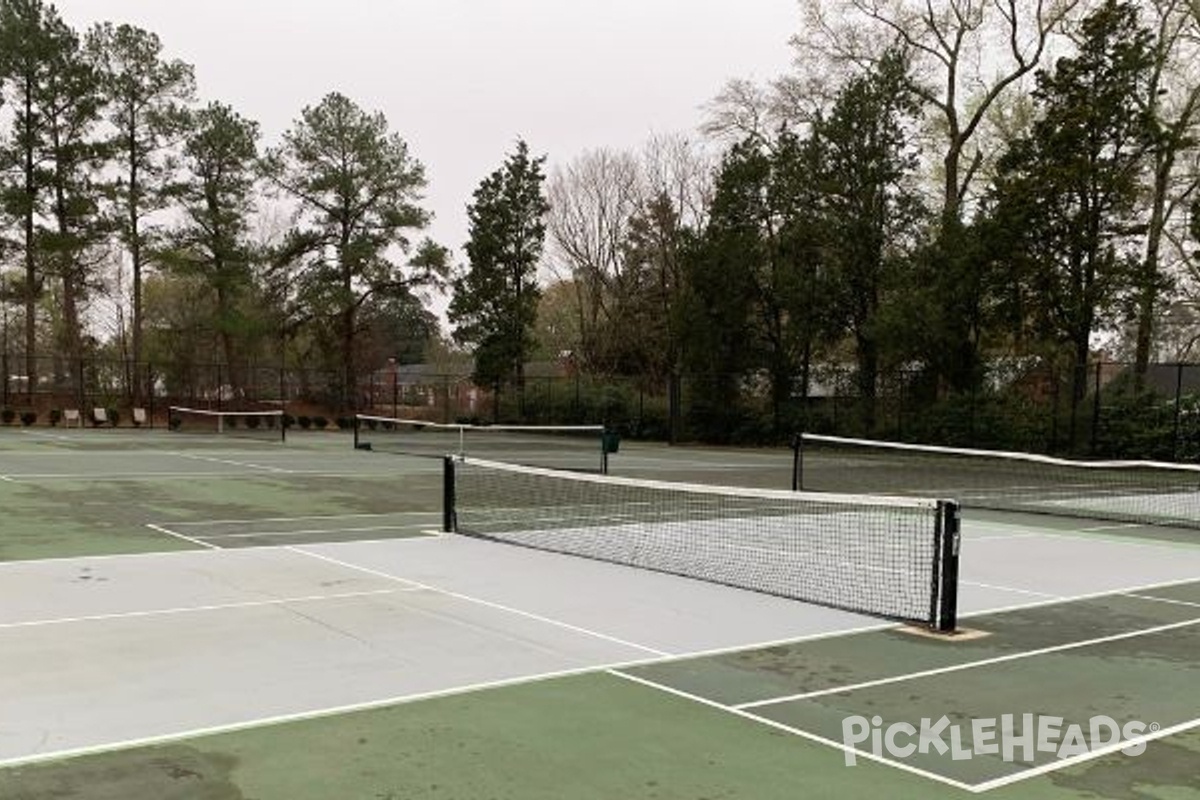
1148, 282
228, 346
868, 373
135, 253
30, 259
72, 330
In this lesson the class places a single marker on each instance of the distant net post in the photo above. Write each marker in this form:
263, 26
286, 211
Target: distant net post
265, 425
448, 525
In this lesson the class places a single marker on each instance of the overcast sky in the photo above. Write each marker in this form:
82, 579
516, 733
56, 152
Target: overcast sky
461, 80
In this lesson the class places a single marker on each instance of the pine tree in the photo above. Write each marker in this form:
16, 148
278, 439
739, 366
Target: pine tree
496, 299
358, 189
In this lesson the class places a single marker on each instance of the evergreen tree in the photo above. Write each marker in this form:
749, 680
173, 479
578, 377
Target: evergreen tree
76, 246
358, 189
871, 217
1067, 194
217, 199
31, 35
717, 308
145, 96
496, 299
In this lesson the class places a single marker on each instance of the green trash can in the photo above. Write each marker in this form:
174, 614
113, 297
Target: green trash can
611, 441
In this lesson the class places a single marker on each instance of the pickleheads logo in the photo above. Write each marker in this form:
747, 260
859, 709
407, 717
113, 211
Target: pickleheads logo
990, 737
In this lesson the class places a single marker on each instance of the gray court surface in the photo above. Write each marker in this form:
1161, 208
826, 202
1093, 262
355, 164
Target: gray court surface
105, 651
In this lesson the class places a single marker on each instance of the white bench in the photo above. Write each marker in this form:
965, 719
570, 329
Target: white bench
71, 418
99, 416
139, 417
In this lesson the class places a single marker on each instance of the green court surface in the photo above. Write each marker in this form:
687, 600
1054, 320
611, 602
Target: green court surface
225, 619
602, 735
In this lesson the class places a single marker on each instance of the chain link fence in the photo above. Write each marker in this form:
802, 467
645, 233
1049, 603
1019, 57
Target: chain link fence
1107, 411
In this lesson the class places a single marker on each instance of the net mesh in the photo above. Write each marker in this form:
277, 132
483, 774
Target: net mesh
884, 557
1144, 492
566, 447
267, 425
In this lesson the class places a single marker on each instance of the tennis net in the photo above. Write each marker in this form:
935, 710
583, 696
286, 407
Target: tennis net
267, 425
891, 557
1142, 492
567, 447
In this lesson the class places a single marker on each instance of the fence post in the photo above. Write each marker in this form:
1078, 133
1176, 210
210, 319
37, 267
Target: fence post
1096, 409
1178, 410
149, 394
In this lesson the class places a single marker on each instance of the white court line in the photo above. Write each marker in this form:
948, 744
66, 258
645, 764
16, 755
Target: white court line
170, 532
1074, 535
317, 516
43, 435
1099, 752
7, 479
299, 716
486, 603
1101, 528
417, 697
150, 476
803, 734
984, 662
1074, 598
311, 531
1013, 589
967, 537
125, 476
211, 550
230, 462
1168, 600
37, 623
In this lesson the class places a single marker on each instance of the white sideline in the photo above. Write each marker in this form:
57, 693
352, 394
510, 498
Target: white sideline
119, 615
486, 603
170, 532
736, 711
983, 662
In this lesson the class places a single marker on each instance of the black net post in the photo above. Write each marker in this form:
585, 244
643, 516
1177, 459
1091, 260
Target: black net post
944, 614
448, 525
1178, 405
797, 462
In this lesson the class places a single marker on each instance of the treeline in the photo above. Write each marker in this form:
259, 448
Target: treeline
930, 193
940, 190
141, 224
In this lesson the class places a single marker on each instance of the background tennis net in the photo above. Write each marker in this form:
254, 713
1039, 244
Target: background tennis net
1145, 492
240, 424
891, 557
568, 447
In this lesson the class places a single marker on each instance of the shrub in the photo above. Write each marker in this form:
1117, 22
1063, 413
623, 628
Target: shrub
320, 423
28, 418
288, 421
372, 424
344, 423
231, 421
304, 421
174, 422
253, 421
55, 416
113, 415
7, 416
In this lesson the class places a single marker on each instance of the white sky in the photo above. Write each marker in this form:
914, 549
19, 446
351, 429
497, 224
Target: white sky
461, 80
